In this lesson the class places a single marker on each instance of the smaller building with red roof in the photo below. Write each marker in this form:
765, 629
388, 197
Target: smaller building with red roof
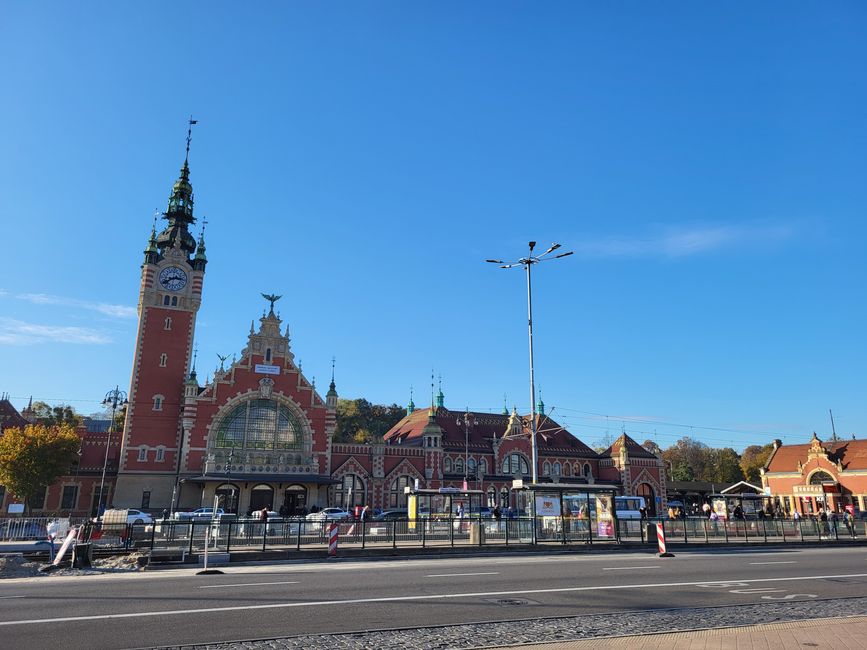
804, 478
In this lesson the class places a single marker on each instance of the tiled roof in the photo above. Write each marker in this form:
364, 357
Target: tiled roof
551, 436
852, 454
9, 416
633, 449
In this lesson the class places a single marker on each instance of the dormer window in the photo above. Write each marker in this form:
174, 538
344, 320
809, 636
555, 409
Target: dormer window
142, 454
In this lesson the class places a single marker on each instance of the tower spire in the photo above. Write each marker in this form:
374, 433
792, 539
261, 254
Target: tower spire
332, 388
410, 408
441, 399
179, 213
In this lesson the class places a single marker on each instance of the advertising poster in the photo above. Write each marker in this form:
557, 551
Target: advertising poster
547, 506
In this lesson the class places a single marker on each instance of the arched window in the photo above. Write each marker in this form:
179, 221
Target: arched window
546, 468
483, 466
259, 424
397, 498
174, 301
168, 324
587, 471
567, 469
447, 466
158, 402
261, 496
471, 466
267, 355
556, 470
820, 478
492, 496
167, 300
459, 466
515, 464
350, 492
504, 498
142, 454
164, 359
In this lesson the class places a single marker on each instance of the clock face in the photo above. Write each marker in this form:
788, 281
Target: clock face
173, 278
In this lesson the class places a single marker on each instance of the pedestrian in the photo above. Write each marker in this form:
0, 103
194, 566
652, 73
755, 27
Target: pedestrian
835, 519
263, 519
643, 512
365, 513
823, 525
849, 521
705, 508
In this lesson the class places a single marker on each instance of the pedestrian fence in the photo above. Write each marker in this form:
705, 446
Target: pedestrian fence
232, 534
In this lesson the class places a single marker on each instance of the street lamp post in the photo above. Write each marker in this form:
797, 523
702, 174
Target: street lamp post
115, 399
526, 263
467, 420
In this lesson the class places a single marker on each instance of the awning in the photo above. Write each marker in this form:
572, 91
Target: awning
262, 477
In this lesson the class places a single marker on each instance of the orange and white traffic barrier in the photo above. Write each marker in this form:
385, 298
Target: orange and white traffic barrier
660, 538
332, 540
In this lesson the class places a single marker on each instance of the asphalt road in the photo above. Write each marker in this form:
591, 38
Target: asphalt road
178, 606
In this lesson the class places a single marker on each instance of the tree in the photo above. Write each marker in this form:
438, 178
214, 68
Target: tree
690, 453
724, 466
35, 456
753, 459
652, 447
682, 472
53, 415
360, 421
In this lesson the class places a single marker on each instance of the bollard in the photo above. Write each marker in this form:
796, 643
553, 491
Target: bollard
660, 538
332, 540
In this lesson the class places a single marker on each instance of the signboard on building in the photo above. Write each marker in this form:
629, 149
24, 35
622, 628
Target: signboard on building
264, 369
16, 508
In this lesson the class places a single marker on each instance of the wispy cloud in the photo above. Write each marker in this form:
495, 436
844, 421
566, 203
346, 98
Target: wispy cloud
115, 311
683, 242
16, 332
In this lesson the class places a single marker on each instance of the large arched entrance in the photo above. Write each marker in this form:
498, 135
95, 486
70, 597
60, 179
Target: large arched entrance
645, 490
260, 496
294, 500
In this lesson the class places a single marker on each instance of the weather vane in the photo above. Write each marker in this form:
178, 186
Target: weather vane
190, 134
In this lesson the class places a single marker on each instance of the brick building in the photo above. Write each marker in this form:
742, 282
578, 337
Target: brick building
260, 434
805, 477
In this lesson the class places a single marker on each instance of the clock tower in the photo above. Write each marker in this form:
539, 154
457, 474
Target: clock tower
169, 297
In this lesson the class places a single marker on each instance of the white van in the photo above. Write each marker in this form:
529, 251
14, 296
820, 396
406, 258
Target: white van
628, 507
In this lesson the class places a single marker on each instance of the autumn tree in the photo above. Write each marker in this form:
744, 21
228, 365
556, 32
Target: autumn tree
723, 466
35, 456
652, 447
360, 421
753, 459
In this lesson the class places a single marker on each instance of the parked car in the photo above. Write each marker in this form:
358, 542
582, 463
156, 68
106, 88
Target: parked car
200, 514
138, 517
391, 515
330, 514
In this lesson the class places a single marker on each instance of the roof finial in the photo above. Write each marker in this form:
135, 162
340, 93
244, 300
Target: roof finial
431, 391
440, 397
505, 404
332, 388
189, 137
272, 298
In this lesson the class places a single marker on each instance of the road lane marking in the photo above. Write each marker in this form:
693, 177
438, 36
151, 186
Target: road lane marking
3, 597
781, 562
249, 584
397, 599
451, 575
626, 568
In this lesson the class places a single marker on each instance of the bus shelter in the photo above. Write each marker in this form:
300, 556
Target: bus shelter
753, 506
445, 503
563, 512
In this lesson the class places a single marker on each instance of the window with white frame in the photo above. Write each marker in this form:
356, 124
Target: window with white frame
161, 454
556, 469
158, 402
447, 466
142, 454
164, 359
168, 323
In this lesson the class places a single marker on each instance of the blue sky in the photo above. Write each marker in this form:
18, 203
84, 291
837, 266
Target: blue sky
705, 161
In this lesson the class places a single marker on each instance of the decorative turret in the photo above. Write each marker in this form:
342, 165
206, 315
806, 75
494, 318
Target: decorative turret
201, 260
541, 409
331, 395
152, 253
410, 408
505, 405
179, 213
515, 427
440, 397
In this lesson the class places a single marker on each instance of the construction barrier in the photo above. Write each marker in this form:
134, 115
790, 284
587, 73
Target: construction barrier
332, 540
660, 538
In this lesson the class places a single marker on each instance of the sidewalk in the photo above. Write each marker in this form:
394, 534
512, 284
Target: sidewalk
836, 633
